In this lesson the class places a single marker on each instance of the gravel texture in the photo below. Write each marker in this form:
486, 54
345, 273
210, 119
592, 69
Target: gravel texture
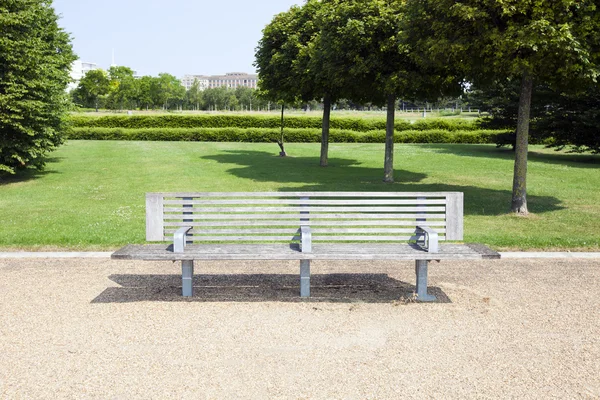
102, 329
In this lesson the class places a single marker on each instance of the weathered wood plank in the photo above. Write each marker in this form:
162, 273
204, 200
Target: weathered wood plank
454, 216
292, 252
311, 202
304, 194
293, 230
295, 222
281, 238
154, 217
297, 209
484, 251
312, 216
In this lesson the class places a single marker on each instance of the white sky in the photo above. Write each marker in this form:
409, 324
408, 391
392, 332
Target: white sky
177, 36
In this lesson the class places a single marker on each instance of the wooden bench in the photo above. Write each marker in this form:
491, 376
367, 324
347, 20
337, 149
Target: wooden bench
305, 226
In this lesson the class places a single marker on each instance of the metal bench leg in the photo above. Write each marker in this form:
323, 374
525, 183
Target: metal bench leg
187, 277
421, 270
304, 278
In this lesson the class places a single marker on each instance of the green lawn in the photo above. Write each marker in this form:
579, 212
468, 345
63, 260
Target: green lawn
91, 195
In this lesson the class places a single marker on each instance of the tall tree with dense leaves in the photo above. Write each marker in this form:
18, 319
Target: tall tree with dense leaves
537, 42
361, 54
92, 87
122, 87
143, 92
282, 57
194, 95
35, 59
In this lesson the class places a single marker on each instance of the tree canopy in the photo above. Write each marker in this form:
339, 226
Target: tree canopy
35, 60
352, 49
92, 87
550, 42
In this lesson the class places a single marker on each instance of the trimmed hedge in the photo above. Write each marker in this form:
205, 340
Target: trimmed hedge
263, 121
291, 135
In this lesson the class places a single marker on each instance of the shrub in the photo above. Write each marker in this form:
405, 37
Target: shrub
260, 121
292, 135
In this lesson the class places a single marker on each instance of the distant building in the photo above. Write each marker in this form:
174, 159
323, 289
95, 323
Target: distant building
230, 79
188, 81
78, 71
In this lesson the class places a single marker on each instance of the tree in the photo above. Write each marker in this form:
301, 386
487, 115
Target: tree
194, 95
122, 88
361, 54
563, 120
571, 120
167, 90
92, 87
232, 102
282, 57
535, 42
216, 98
143, 92
35, 60
246, 96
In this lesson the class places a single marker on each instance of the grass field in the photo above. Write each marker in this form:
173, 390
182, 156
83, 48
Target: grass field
91, 195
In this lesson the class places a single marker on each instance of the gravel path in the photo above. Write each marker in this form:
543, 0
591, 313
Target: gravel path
102, 329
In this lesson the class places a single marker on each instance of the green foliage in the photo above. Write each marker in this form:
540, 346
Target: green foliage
293, 135
561, 119
35, 59
553, 41
257, 121
572, 121
92, 88
122, 88
282, 55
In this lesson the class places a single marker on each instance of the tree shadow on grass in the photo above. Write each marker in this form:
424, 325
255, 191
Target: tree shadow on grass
263, 166
29, 174
348, 175
572, 159
330, 288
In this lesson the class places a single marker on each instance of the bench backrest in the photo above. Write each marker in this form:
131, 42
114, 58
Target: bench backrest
332, 216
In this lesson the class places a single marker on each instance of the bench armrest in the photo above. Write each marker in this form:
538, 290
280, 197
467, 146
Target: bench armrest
305, 239
179, 239
431, 241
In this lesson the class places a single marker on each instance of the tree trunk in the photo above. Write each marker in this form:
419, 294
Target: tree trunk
325, 130
388, 166
282, 153
519, 193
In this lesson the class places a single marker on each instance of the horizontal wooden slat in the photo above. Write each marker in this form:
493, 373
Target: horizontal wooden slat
238, 238
340, 209
290, 231
317, 231
243, 201
304, 194
282, 238
296, 222
303, 216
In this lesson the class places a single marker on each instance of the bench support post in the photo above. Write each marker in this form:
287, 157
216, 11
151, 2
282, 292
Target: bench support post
421, 271
187, 276
304, 278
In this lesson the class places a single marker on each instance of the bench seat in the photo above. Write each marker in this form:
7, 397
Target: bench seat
320, 251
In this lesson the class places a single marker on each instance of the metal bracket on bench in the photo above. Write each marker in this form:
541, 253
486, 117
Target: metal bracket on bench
179, 239
431, 241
